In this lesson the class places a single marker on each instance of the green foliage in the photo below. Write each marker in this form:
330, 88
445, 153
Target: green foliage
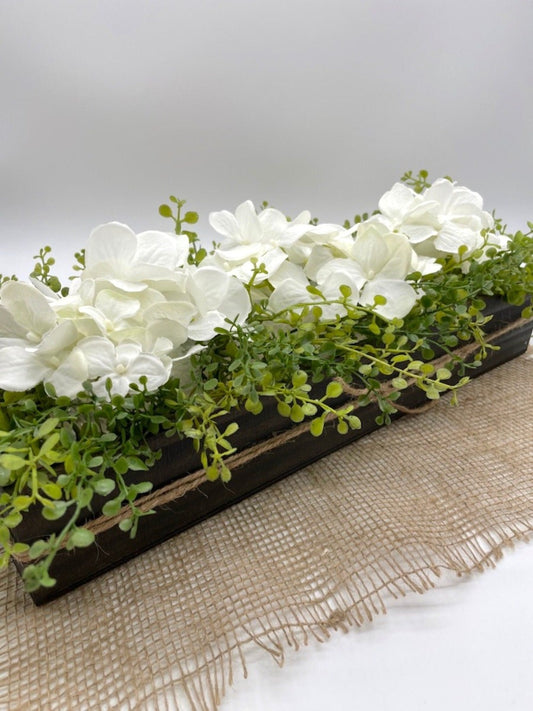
197, 253
418, 182
62, 456
42, 270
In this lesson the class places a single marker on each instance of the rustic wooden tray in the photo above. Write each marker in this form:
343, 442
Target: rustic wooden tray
270, 448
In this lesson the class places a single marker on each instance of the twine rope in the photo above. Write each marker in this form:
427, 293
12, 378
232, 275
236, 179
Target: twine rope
176, 489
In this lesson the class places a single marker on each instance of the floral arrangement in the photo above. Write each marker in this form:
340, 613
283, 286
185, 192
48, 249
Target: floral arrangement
155, 334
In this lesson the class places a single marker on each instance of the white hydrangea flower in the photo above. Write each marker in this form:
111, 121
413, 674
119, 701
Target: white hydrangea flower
293, 291
130, 262
332, 237
252, 239
438, 221
34, 346
381, 261
122, 364
219, 299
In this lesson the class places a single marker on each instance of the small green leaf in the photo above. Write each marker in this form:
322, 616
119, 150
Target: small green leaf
47, 427
299, 378
443, 374
104, 486
231, 429
81, 538
284, 409
111, 508
135, 464
309, 409
143, 487
121, 465
165, 211
13, 519
38, 548
333, 390
20, 548
52, 490
22, 502
12, 462
211, 472
354, 422
4, 535
297, 413
190, 217
342, 427
399, 383
5, 476
54, 511
317, 427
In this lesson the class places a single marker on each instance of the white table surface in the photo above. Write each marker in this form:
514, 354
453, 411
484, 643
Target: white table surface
465, 645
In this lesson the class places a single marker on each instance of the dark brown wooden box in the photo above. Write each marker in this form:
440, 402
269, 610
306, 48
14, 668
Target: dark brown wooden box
72, 568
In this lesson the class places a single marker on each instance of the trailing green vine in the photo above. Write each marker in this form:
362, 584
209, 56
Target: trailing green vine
70, 454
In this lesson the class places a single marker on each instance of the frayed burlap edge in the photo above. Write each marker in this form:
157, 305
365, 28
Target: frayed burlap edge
321, 551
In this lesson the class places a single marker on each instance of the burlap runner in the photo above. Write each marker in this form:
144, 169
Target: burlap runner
322, 550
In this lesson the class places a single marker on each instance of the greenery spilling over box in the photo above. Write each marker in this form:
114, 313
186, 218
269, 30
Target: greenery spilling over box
132, 396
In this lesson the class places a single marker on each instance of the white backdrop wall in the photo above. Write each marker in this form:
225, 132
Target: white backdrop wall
108, 106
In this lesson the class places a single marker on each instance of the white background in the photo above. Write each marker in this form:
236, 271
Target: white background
107, 107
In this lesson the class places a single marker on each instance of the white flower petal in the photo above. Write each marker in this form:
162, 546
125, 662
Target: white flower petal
115, 306
337, 273
69, 376
123, 284
397, 201
236, 305
224, 223
400, 256
157, 373
370, 251
9, 328
203, 327
28, 307
453, 236
319, 256
99, 353
401, 297
302, 218
288, 294
127, 353
20, 369
162, 249
167, 329
208, 287
441, 192
418, 233
239, 253
249, 225
273, 223
181, 312
60, 338
113, 243
288, 270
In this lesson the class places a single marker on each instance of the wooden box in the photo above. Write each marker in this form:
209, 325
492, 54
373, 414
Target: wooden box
269, 448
